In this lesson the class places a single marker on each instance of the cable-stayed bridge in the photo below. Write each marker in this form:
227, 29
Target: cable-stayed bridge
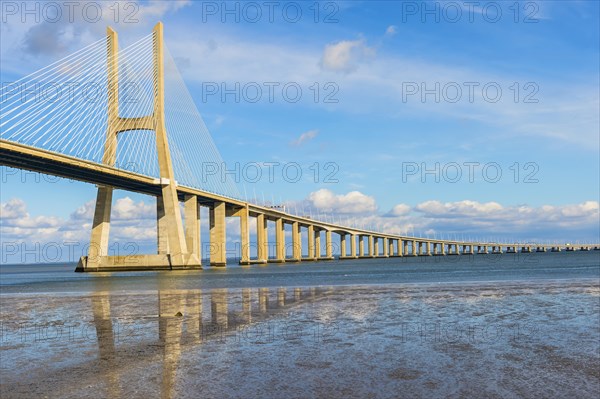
124, 119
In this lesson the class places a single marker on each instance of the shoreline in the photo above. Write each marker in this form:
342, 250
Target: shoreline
467, 284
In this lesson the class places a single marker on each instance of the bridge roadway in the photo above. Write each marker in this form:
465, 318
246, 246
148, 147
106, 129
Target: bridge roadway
21, 156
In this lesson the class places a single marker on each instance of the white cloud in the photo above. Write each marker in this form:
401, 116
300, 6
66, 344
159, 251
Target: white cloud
508, 218
17, 225
400, 210
523, 221
127, 209
12, 209
13, 214
129, 220
85, 211
305, 137
580, 210
461, 208
465, 218
391, 30
138, 233
346, 55
353, 202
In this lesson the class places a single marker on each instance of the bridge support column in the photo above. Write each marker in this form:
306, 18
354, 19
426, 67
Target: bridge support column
353, 245
245, 234
406, 253
296, 242
390, 247
100, 227
414, 248
328, 245
192, 224
244, 215
317, 244
361, 246
279, 241
173, 224
371, 249
343, 252
428, 244
385, 247
162, 233
399, 247
311, 242
262, 244
218, 255
376, 246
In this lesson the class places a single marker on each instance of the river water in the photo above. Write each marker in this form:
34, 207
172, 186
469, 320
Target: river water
511, 325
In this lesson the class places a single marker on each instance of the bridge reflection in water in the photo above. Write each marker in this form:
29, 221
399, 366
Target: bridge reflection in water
188, 319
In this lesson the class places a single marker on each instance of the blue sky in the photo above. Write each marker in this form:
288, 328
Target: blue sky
367, 56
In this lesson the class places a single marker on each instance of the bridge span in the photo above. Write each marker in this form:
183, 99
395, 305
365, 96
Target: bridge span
354, 243
25, 145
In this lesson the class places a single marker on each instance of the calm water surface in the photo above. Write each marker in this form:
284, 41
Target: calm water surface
502, 267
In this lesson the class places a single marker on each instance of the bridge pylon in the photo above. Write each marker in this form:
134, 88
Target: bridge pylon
173, 249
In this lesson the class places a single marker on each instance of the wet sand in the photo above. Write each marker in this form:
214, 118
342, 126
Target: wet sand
509, 339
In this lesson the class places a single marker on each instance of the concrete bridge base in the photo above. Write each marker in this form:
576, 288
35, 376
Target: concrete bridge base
140, 262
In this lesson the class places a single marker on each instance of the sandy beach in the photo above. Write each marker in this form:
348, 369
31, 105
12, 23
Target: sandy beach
509, 339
